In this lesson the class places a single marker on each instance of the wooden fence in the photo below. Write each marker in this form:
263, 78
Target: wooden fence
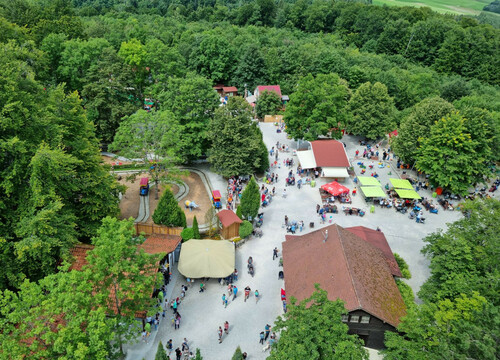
153, 229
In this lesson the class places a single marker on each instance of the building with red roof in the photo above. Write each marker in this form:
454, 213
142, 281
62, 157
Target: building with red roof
230, 224
329, 155
349, 268
261, 88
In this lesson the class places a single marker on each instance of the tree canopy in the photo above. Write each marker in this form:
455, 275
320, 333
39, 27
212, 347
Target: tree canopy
268, 103
313, 329
317, 107
236, 141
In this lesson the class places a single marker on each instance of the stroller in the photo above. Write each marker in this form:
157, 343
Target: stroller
257, 232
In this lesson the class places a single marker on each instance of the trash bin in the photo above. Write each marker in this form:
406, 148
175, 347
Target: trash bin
372, 209
311, 224
434, 194
313, 183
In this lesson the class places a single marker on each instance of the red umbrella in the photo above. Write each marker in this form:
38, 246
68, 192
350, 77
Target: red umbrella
335, 188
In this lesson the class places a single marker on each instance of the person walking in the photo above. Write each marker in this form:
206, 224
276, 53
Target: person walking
226, 328
235, 292
261, 341
256, 296
219, 333
247, 293
229, 290
224, 300
267, 330
235, 275
178, 354
177, 322
169, 346
275, 253
185, 346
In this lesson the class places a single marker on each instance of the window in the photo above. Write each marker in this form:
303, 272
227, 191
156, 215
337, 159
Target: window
365, 319
354, 319
345, 318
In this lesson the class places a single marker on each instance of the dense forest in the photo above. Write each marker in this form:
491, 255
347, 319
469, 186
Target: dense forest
71, 72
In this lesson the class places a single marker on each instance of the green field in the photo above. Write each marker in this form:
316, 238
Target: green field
466, 7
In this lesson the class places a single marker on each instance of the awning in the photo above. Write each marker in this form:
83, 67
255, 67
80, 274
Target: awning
373, 191
401, 184
335, 188
306, 159
206, 258
408, 194
335, 172
368, 180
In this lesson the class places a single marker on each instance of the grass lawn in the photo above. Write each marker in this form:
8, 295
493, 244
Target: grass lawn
466, 7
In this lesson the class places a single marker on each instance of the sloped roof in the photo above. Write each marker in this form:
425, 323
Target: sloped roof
228, 217
156, 244
347, 267
79, 254
229, 89
377, 239
275, 88
329, 153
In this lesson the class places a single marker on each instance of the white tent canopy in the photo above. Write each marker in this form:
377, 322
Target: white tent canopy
306, 159
335, 172
207, 258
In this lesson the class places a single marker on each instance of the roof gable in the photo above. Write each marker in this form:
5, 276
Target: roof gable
228, 217
329, 153
157, 244
347, 267
275, 88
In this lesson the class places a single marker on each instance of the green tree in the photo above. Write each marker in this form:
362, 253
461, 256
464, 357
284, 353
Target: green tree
463, 259
250, 199
196, 230
238, 212
238, 355
123, 277
403, 266
187, 234
372, 111
251, 69
449, 155
161, 354
152, 137
417, 125
236, 141
198, 355
317, 107
168, 211
313, 329
268, 103
108, 95
134, 55
213, 58
193, 101
246, 229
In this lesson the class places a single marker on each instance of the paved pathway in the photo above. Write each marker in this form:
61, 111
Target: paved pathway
203, 313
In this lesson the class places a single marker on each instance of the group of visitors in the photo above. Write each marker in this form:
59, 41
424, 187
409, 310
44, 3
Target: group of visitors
234, 189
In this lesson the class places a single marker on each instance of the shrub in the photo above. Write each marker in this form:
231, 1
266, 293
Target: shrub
238, 355
407, 294
187, 234
246, 229
160, 353
250, 199
196, 230
168, 212
238, 212
403, 266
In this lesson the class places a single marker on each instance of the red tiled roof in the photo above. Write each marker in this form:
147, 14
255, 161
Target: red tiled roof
377, 239
329, 153
79, 254
275, 88
229, 89
156, 244
347, 267
228, 217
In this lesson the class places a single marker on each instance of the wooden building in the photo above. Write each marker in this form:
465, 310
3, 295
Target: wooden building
230, 224
355, 265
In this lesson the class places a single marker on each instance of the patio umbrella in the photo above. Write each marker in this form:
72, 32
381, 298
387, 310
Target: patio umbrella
335, 188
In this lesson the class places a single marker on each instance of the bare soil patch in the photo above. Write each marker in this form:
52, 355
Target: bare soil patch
111, 161
129, 204
198, 194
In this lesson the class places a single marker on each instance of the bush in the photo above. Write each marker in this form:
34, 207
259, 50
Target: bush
187, 234
238, 355
196, 230
250, 200
238, 212
403, 266
168, 212
246, 229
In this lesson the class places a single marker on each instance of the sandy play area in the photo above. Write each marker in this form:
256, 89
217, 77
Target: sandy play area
129, 205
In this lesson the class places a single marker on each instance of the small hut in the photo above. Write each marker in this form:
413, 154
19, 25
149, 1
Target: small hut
230, 224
